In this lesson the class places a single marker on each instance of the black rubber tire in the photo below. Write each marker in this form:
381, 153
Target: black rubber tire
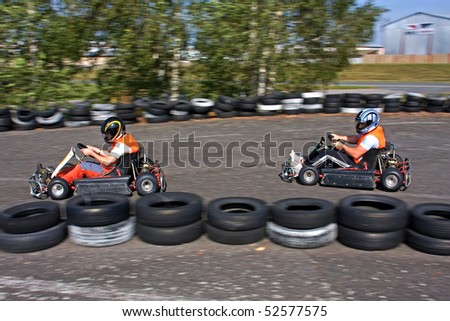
146, 183
5, 122
373, 213
224, 107
308, 176
170, 209
156, 111
431, 219
237, 213
58, 189
181, 105
303, 213
302, 239
427, 244
170, 235
235, 237
97, 209
391, 179
26, 115
157, 119
32, 242
370, 241
29, 217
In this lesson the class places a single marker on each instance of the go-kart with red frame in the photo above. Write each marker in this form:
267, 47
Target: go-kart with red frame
378, 167
137, 173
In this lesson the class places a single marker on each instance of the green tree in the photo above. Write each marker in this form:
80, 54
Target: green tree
257, 46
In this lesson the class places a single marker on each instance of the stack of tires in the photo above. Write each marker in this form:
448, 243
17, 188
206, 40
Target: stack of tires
373, 101
100, 220
392, 103
100, 112
414, 102
435, 103
126, 112
247, 106
292, 104
50, 118
225, 106
23, 119
200, 107
153, 111
236, 220
429, 229
5, 120
352, 103
302, 223
79, 114
180, 110
312, 102
332, 104
169, 219
372, 222
31, 227
270, 104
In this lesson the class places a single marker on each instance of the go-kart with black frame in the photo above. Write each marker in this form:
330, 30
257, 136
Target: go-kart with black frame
378, 167
133, 172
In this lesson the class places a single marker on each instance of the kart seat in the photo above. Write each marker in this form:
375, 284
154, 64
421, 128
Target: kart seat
369, 160
124, 165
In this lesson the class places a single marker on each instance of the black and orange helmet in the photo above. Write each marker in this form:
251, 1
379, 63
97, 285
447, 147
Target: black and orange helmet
112, 128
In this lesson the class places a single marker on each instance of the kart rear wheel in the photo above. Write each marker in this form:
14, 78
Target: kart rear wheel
391, 179
308, 176
58, 189
146, 183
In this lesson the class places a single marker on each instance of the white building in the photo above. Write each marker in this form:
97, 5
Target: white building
418, 34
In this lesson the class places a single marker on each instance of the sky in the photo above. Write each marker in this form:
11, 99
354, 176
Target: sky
402, 8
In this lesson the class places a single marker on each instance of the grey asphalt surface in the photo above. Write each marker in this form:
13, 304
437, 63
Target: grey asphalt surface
205, 270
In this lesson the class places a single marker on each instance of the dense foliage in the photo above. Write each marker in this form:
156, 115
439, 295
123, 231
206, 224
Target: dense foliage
243, 47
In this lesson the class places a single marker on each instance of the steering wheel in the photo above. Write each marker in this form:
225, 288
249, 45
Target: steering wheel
80, 146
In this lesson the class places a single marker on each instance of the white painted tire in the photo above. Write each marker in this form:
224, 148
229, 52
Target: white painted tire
261, 107
202, 102
100, 236
313, 94
302, 239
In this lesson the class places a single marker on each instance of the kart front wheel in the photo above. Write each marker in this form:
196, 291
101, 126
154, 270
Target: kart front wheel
146, 183
391, 179
58, 189
308, 176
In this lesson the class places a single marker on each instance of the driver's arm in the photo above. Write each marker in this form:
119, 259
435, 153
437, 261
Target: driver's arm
355, 152
99, 155
352, 139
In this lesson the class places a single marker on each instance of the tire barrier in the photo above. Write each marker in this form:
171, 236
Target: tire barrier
99, 220
78, 114
31, 227
302, 223
372, 222
236, 220
366, 222
429, 230
169, 218
83, 113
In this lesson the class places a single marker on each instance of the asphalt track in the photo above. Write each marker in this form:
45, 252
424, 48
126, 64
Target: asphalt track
204, 270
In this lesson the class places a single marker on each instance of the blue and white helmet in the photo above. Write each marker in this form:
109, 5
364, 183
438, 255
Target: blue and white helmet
366, 120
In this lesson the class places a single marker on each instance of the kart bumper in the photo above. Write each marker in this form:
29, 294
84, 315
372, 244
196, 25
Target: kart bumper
110, 185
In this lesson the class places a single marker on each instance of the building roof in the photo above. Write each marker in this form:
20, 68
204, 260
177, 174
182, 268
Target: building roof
444, 16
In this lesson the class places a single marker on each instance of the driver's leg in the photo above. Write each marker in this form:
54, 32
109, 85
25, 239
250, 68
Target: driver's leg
75, 173
83, 169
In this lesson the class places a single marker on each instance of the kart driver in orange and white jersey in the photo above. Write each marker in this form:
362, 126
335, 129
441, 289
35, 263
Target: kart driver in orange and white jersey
114, 132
